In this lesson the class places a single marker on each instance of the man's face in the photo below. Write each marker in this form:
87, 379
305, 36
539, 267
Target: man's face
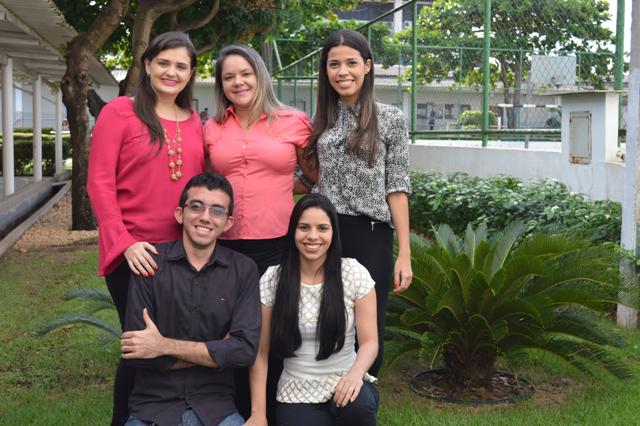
203, 217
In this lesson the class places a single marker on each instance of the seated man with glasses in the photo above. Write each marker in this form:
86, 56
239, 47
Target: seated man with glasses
196, 319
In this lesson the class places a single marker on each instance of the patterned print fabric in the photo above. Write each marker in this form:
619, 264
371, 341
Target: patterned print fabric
305, 380
348, 181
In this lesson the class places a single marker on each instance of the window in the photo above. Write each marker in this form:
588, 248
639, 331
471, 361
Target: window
450, 111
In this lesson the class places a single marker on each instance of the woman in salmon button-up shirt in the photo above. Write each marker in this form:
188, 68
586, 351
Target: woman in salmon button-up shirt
255, 142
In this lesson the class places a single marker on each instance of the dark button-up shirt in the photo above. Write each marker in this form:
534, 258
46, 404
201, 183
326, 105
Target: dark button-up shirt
203, 306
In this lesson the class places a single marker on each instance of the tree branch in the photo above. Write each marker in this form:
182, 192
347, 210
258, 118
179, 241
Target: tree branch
196, 23
129, 19
206, 47
102, 27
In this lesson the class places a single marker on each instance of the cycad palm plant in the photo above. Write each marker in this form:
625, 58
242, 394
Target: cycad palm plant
476, 299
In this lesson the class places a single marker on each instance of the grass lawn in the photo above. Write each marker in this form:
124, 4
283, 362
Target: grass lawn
65, 378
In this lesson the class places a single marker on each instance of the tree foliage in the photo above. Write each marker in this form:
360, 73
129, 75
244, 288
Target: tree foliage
453, 32
210, 23
311, 37
533, 26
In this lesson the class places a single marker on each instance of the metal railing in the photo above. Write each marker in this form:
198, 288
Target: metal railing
523, 107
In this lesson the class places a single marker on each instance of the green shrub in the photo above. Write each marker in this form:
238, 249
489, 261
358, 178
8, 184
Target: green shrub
472, 119
45, 130
545, 206
476, 299
23, 155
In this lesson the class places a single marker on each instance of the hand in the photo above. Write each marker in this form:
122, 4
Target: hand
402, 274
347, 389
256, 419
139, 260
142, 344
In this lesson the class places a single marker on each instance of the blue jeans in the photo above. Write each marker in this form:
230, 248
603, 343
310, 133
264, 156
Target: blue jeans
189, 418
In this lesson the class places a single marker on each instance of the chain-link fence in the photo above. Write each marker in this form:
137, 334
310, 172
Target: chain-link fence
538, 50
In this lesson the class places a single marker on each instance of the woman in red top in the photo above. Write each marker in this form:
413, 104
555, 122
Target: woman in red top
256, 143
143, 150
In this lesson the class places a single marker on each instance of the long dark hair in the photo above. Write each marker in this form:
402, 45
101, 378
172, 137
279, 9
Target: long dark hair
331, 328
364, 140
145, 100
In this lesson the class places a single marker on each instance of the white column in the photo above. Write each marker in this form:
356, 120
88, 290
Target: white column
58, 144
37, 128
628, 317
397, 17
7, 128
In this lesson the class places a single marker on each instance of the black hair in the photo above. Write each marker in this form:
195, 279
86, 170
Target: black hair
144, 103
331, 328
210, 181
364, 140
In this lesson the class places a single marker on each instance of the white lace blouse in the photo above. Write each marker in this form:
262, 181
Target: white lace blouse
303, 379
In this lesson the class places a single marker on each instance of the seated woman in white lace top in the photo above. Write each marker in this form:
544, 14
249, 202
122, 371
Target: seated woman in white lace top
313, 305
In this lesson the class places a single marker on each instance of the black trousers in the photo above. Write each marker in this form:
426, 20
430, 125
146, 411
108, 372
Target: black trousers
361, 412
118, 285
371, 243
265, 253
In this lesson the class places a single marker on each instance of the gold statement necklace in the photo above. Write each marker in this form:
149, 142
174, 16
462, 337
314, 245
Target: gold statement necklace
174, 150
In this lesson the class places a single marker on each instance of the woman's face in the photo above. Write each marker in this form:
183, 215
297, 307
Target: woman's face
313, 235
239, 81
346, 70
169, 71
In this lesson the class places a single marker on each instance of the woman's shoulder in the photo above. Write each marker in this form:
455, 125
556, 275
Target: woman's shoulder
389, 111
270, 276
356, 280
122, 105
292, 114
351, 268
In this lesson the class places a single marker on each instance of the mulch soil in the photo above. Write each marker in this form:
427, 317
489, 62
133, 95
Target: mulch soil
54, 230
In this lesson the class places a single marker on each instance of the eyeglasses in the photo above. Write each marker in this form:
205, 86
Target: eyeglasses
199, 208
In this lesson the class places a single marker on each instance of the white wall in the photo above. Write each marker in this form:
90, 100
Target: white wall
597, 180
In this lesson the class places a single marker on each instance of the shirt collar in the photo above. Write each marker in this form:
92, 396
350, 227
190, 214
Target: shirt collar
230, 111
219, 256
353, 109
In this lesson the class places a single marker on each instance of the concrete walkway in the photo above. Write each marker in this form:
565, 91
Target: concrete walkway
20, 183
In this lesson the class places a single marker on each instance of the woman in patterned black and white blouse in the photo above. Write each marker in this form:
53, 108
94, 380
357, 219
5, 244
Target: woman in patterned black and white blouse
313, 305
361, 148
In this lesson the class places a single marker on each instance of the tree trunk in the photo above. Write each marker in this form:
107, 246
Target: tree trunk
147, 13
504, 77
144, 19
95, 103
517, 92
74, 86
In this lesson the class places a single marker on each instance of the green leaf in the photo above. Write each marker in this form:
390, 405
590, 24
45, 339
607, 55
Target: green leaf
505, 243
516, 308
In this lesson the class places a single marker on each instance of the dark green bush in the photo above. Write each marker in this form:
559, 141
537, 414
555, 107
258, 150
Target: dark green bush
472, 119
23, 155
545, 206
45, 130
